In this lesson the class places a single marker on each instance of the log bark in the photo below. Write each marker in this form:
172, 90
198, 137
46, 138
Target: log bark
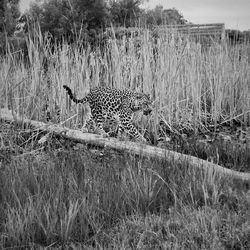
131, 147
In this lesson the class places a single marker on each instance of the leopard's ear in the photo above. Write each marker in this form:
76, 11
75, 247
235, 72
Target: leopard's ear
142, 95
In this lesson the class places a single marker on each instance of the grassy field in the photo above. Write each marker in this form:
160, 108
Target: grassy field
70, 196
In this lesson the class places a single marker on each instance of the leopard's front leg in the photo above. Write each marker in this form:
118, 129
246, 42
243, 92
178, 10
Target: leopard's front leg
126, 123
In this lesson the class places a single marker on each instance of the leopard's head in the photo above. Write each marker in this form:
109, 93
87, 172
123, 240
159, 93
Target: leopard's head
142, 102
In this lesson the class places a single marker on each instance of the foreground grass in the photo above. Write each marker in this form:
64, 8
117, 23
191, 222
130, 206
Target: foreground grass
63, 194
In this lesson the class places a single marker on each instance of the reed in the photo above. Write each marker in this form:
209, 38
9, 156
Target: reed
189, 85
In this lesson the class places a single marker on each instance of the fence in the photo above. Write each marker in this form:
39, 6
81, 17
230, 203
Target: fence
215, 30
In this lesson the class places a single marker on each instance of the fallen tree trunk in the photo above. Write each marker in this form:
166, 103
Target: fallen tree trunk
131, 147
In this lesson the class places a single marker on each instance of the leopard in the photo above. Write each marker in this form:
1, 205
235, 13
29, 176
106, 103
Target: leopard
108, 104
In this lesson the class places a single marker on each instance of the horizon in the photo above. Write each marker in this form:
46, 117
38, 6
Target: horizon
232, 14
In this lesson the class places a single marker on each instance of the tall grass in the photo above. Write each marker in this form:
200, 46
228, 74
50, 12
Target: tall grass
189, 84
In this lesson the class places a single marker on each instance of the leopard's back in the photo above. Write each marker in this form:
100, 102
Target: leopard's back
104, 98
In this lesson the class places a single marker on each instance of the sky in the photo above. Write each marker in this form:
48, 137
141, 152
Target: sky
235, 14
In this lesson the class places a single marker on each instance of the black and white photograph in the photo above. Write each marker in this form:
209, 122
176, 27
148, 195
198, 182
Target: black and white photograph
125, 124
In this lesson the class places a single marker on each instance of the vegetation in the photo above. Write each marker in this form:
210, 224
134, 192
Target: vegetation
236, 36
57, 193
9, 12
62, 194
159, 16
125, 13
84, 21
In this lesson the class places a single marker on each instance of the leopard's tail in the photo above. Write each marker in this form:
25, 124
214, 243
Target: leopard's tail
72, 97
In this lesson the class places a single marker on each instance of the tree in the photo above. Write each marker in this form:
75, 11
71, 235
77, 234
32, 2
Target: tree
94, 12
125, 12
9, 12
54, 16
2, 14
159, 16
70, 18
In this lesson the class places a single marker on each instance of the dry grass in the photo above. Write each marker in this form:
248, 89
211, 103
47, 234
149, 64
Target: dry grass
190, 85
